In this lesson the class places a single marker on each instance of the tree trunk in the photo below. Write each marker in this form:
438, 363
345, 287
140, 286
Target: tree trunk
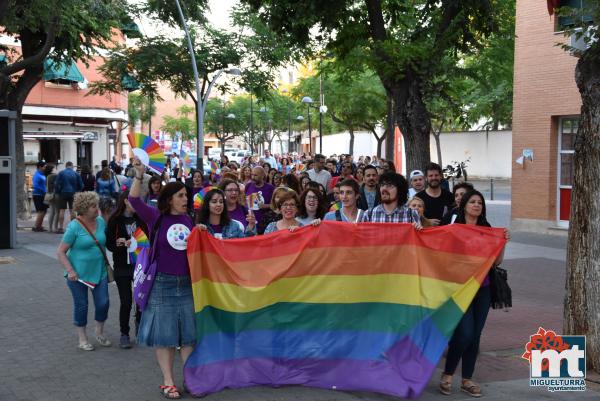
414, 121
390, 125
582, 299
438, 146
351, 147
223, 145
380, 143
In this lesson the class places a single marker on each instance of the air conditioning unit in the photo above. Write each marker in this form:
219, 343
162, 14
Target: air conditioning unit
579, 42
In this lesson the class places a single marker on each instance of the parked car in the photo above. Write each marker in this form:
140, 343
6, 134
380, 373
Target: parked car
238, 156
206, 164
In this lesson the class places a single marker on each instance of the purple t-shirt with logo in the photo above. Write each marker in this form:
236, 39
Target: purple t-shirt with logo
239, 214
172, 237
267, 192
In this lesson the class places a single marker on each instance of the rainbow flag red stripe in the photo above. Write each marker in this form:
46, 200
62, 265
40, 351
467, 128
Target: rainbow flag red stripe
366, 307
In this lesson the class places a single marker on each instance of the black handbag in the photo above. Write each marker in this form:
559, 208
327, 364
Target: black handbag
500, 290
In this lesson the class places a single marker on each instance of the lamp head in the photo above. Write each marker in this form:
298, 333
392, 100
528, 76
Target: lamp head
233, 71
307, 99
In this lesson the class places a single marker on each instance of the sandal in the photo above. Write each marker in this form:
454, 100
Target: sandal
86, 346
170, 392
471, 388
446, 384
103, 341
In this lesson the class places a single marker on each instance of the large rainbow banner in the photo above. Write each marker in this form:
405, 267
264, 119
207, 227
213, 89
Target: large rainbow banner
366, 307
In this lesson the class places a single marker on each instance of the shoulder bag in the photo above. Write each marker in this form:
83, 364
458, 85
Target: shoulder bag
500, 290
110, 273
145, 269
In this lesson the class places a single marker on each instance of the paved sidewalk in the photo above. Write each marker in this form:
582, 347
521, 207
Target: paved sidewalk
39, 360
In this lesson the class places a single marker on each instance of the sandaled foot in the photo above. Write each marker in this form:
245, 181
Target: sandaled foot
170, 392
85, 346
471, 388
446, 384
103, 341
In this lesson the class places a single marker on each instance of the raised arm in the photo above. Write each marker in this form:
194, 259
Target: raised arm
136, 186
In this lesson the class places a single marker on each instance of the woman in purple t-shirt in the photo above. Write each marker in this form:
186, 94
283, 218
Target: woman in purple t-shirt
168, 319
235, 209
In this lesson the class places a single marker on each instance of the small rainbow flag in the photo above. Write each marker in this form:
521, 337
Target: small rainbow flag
187, 162
322, 312
214, 166
199, 197
139, 240
335, 206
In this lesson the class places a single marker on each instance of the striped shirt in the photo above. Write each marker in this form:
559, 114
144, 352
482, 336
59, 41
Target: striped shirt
400, 214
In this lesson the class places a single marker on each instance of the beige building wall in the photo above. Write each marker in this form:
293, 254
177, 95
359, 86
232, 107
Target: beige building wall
544, 91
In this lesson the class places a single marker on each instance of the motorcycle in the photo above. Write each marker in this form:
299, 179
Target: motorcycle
456, 170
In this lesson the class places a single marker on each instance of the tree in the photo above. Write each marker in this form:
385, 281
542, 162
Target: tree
356, 101
141, 108
254, 47
221, 121
181, 124
64, 31
401, 41
582, 299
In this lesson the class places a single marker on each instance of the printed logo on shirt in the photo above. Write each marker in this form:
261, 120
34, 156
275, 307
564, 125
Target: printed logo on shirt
177, 236
556, 362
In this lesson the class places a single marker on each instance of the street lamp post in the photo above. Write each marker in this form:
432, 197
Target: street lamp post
308, 102
299, 118
289, 104
263, 127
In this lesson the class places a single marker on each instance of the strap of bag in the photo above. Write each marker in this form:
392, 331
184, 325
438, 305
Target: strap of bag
95, 240
153, 240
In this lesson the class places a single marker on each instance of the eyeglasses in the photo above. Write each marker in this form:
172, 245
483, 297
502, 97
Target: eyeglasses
288, 206
232, 190
311, 197
386, 184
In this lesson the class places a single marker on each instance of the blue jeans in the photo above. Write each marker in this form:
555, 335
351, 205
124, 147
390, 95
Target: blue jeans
80, 301
465, 340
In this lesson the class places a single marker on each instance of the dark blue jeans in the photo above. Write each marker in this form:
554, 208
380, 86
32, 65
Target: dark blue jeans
80, 301
465, 340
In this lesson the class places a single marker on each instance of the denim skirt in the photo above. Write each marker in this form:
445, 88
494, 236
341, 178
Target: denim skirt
168, 319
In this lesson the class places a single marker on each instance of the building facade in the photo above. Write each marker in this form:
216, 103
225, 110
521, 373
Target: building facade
546, 108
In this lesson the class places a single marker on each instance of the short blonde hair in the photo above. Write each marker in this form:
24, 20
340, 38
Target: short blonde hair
84, 200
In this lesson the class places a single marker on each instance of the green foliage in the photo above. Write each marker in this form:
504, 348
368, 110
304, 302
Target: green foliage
181, 124
140, 108
355, 101
165, 59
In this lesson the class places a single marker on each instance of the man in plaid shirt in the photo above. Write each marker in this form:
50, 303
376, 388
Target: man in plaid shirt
393, 188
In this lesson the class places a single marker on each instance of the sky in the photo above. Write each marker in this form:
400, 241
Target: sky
219, 12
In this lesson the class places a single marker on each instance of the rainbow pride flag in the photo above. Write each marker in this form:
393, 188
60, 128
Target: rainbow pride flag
356, 307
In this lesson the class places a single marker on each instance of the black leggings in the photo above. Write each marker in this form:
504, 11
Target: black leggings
124, 284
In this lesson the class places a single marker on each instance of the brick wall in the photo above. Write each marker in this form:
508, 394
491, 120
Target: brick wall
544, 90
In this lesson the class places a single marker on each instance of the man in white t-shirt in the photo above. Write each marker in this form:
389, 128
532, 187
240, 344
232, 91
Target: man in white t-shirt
416, 182
318, 172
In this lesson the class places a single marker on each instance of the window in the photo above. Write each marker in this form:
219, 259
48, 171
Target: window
568, 132
563, 22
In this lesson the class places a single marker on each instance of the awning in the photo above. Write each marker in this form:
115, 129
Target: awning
61, 72
129, 83
52, 135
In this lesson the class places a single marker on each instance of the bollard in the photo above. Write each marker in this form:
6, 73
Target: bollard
491, 189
